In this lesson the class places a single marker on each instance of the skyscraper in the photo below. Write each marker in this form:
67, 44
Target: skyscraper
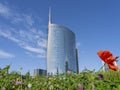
61, 49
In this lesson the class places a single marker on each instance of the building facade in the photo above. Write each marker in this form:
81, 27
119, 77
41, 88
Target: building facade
77, 63
38, 72
61, 50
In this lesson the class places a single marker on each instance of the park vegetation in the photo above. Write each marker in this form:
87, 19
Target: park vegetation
85, 80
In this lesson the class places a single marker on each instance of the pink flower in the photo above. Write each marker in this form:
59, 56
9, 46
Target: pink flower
3, 88
80, 87
18, 82
69, 72
1, 76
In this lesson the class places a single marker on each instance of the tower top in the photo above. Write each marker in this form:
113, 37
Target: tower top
49, 22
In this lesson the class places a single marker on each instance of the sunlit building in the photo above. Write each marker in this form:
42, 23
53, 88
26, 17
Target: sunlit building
61, 49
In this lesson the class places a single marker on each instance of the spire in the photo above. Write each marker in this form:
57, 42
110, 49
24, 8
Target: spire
49, 22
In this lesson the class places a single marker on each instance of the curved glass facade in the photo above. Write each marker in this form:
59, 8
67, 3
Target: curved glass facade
61, 50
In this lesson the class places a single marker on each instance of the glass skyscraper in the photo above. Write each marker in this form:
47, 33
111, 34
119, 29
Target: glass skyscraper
61, 49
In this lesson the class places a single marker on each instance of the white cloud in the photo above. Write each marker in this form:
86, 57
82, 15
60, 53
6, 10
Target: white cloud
31, 41
29, 19
22, 30
41, 56
16, 19
4, 54
32, 49
4, 10
14, 16
8, 35
42, 43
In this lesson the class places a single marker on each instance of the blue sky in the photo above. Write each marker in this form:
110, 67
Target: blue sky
23, 30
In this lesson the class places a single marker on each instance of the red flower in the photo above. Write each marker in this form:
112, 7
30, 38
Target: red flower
108, 58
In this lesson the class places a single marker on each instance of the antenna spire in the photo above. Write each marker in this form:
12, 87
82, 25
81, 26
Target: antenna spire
49, 22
